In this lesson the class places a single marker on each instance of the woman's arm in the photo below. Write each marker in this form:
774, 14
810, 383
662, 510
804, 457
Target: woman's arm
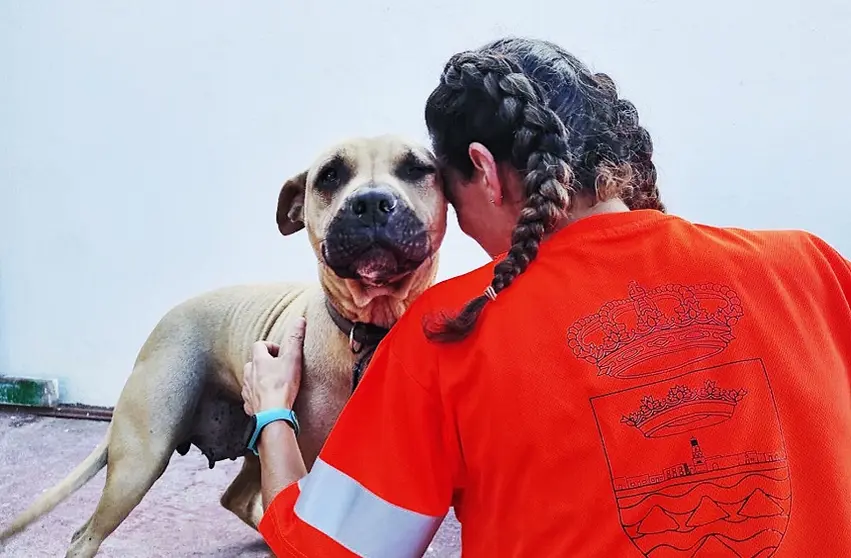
280, 460
385, 477
271, 380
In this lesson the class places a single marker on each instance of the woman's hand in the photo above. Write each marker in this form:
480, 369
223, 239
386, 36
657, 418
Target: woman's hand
273, 376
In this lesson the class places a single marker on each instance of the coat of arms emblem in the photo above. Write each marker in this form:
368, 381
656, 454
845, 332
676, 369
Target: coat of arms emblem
696, 455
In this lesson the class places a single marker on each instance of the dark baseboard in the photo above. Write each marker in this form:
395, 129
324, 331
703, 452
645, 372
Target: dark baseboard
85, 412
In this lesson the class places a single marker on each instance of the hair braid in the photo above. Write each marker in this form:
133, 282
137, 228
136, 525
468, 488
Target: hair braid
539, 151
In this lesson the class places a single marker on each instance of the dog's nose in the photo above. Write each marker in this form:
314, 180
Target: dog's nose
373, 206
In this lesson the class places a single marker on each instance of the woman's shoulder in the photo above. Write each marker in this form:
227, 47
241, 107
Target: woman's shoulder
780, 246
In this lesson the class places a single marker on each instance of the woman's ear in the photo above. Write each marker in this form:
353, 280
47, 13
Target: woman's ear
486, 172
290, 214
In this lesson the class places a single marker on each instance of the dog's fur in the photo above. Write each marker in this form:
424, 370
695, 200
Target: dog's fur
375, 214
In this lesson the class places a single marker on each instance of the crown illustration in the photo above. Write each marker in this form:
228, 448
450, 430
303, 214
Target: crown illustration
684, 409
654, 331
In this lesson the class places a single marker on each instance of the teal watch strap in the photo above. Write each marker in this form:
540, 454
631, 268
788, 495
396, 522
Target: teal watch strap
268, 416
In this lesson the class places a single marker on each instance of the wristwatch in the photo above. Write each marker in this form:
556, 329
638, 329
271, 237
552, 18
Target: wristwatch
261, 419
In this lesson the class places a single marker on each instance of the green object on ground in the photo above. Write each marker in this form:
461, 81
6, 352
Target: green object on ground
29, 392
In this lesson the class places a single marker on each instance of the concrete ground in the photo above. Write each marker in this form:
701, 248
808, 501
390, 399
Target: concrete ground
180, 516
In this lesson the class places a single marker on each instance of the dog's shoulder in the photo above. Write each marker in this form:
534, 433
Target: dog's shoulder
227, 300
250, 291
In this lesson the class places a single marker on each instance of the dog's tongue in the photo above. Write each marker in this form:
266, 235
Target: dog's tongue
376, 267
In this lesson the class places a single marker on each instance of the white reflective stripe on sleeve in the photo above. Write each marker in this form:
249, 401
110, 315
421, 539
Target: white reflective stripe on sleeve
339, 506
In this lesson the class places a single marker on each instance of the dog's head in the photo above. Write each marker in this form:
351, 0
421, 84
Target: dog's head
375, 213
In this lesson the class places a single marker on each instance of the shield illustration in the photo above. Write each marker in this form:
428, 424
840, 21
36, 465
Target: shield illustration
698, 464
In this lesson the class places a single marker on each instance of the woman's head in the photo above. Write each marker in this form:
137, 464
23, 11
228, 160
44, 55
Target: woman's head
526, 132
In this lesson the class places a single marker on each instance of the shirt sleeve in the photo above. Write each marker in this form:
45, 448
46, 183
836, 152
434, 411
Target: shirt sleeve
384, 480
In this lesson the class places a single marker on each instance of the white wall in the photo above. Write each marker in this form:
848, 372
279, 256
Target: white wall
142, 144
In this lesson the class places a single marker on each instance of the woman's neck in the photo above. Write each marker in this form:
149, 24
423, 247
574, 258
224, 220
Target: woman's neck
582, 208
579, 210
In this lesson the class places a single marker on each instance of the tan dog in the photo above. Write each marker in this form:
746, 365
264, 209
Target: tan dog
375, 215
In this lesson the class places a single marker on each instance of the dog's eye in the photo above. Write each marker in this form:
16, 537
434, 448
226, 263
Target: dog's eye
332, 175
329, 177
416, 171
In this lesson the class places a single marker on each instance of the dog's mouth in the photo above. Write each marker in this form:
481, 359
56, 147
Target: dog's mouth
380, 254
377, 266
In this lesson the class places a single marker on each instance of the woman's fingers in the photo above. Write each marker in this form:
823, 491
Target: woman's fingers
294, 340
259, 351
272, 348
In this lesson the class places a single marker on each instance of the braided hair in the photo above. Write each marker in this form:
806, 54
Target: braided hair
563, 128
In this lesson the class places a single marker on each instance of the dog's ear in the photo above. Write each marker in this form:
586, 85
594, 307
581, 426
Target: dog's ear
291, 205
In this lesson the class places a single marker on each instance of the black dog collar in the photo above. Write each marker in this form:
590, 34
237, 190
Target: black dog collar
363, 339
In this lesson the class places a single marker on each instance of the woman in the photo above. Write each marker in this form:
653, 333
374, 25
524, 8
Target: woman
619, 382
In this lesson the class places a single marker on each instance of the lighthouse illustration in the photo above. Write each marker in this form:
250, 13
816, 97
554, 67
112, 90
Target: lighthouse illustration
696, 454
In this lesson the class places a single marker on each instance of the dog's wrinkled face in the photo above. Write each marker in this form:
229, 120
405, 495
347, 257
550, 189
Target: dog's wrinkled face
373, 207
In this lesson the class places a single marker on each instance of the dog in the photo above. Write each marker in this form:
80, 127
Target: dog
375, 214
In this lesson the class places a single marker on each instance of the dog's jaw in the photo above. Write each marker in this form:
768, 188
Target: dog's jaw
382, 306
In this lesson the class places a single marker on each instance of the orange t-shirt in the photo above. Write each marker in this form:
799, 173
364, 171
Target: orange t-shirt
648, 387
